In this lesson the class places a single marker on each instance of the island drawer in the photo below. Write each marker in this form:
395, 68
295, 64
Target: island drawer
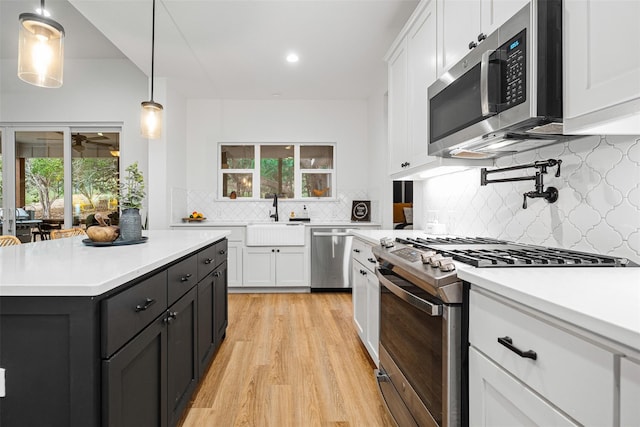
127, 313
572, 373
211, 257
182, 277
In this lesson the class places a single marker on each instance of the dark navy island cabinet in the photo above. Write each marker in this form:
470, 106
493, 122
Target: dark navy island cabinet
130, 357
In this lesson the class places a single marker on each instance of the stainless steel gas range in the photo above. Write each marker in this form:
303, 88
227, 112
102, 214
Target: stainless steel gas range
424, 318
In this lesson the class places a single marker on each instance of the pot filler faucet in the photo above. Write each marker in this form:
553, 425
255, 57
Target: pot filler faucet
275, 205
550, 194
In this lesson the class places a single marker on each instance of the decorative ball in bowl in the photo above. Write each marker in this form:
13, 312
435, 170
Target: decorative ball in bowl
103, 232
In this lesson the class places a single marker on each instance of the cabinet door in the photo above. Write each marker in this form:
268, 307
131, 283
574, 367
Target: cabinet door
135, 380
359, 295
373, 315
629, 393
398, 143
421, 47
220, 314
182, 358
234, 264
206, 329
494, 13
291, 266
497, 399
459, 24
258, 267
601, 63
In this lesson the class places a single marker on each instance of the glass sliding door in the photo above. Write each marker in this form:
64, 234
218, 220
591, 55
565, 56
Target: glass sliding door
57, 177
95, 161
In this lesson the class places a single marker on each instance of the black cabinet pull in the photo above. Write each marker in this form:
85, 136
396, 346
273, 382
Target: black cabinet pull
481, 36
170, 316
216, 274
356, 251
273, 250
185, 278
364, 273
508, 342
148, 302
208, 261
371, 260
472, 45
277, 250
222, 252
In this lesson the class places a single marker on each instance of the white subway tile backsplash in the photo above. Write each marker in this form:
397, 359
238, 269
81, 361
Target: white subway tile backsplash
598, 209
338, 209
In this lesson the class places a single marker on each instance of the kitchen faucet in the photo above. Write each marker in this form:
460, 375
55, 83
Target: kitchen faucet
275, 205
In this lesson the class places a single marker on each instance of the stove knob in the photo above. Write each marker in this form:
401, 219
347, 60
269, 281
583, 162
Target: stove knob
386, 242
426, 255
435, 260
447, 266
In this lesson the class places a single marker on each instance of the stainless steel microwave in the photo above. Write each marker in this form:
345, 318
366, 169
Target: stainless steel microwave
505, 95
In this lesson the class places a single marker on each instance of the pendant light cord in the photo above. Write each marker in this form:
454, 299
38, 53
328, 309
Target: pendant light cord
153, 42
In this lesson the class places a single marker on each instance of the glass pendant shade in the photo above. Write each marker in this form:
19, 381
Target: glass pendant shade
40, 51
151, 120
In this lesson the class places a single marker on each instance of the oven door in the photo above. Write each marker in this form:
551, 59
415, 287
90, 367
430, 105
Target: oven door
419, 354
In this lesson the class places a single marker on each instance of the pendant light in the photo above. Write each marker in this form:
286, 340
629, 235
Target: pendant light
151, 117
40, 49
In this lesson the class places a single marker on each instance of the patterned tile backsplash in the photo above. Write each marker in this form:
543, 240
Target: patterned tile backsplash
333, 210
598, 209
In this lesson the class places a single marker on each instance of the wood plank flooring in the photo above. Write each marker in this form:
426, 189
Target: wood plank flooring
289, 360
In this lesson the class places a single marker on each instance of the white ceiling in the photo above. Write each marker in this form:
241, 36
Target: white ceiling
235, 49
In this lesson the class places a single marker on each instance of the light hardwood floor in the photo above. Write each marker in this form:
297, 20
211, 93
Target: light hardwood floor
289, 360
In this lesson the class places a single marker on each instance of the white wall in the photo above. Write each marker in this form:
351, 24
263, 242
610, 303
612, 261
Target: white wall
94, 92
213, 121
598, 209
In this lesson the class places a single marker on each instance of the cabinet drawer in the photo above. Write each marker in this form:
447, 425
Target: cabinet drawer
362, 252
573, 374
182, 277
207, 261
127, 313
221, 252
211, 257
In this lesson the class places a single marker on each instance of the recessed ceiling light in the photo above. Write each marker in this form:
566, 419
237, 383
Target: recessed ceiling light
292, 58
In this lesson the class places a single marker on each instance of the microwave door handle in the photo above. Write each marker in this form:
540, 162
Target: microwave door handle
434, 310
484, 83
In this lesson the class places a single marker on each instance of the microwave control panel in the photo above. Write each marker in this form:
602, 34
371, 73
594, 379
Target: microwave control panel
515, 71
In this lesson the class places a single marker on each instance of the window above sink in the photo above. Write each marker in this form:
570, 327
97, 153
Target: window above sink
290, 170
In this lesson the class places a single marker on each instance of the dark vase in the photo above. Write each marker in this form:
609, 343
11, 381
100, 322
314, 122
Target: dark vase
130, 224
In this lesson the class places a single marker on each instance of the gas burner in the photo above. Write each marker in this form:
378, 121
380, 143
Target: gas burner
488, 252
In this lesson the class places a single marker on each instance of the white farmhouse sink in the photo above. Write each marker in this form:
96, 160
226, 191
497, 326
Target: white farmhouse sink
275, 234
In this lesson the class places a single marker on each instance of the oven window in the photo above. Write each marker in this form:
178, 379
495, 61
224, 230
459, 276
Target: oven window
414, 340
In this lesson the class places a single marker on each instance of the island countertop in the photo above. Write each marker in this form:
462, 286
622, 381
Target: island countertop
68, 267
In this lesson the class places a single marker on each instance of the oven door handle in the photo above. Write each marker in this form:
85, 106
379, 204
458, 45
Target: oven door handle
434, 310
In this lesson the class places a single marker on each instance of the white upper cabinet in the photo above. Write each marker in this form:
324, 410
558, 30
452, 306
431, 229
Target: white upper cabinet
601, 67
412, 68
421, 48
462, 22
398, 142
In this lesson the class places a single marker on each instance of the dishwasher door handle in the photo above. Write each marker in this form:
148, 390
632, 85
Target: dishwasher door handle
327, 234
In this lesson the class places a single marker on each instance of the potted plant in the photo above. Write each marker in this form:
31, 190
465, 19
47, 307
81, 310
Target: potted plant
131, 196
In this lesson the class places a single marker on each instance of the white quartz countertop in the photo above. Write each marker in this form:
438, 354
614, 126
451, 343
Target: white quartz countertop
68, 267
602, 300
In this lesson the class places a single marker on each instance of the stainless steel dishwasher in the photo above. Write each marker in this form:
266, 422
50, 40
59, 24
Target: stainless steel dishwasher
330, 258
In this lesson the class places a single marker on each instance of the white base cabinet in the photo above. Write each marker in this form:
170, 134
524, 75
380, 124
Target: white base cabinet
498, 399
366, 297
275, 266
564, 370
629, 393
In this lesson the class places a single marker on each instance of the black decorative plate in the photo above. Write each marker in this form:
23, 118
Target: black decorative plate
116, 242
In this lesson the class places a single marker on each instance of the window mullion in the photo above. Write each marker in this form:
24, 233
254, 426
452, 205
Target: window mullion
256, 172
